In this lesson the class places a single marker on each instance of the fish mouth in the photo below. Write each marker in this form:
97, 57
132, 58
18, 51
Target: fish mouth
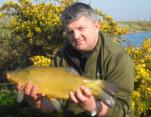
7, 76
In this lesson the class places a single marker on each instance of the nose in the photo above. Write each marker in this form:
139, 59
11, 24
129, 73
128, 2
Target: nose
76, 34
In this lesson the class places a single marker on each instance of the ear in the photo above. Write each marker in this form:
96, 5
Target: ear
97, 25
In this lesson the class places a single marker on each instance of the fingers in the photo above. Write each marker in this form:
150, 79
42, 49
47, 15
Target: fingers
19, 86
84, 98
80, 95
33, 97
31, 90
86, 91
72, 97
34, 92
28, 88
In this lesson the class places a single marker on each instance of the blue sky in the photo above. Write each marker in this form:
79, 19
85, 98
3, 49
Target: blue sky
122, 9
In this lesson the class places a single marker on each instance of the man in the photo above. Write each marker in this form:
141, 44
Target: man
89, 54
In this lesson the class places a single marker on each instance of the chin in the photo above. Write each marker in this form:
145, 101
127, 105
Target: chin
81, 49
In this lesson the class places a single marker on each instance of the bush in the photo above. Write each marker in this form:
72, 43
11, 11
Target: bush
142, 95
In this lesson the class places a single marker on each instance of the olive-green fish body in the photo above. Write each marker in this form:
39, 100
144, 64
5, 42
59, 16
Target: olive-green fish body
54, 82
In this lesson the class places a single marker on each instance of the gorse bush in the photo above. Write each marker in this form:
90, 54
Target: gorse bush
142, 95
35, 30
39, 26
109, 26
36, 34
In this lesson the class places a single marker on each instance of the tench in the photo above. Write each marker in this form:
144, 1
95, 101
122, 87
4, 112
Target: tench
55, 82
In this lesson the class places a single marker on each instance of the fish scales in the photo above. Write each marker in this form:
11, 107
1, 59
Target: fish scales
54, 82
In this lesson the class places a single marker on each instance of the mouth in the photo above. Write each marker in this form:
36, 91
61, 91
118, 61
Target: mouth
5, 79
78, 42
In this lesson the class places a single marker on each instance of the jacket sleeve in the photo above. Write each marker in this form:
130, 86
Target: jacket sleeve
120, 71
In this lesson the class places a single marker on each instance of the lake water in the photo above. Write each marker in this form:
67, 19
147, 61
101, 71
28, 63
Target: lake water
135, 39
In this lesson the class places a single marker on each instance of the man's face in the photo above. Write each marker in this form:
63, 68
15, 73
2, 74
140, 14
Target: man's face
83, 34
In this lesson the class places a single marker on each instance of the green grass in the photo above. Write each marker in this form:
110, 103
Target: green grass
7, 98
137, 26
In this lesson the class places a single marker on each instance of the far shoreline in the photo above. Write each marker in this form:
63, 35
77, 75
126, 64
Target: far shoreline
136, 26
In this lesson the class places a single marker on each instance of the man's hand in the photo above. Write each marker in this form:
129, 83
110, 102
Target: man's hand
38, 101
84, 98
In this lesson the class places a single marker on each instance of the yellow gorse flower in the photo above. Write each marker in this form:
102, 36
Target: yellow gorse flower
41, 61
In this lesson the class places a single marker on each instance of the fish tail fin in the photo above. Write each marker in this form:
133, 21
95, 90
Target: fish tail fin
98, 87
110, 88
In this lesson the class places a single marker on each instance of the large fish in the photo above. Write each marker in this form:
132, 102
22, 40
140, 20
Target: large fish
56, 82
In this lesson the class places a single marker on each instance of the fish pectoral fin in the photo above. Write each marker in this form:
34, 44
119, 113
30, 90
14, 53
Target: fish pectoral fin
20, 96
56, 103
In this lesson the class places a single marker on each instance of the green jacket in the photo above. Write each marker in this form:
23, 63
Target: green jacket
113, 65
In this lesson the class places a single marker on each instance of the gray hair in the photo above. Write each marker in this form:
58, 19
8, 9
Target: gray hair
77, 10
